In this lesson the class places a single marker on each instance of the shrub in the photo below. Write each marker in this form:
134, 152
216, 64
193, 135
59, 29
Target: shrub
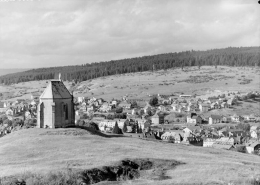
7, 122
119, 109
153, 101
92, 125
30, 123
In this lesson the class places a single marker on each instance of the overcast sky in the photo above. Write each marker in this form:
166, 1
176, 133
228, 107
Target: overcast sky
49, 33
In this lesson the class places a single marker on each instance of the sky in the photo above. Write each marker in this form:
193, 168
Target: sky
48, 33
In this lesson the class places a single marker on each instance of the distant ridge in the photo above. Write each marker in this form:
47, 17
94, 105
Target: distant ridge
231, 56
10, 71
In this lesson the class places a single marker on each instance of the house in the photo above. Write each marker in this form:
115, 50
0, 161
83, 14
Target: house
226, 119
223, 143
237, 132
208, 142
204, 107
250, 118
214, 106
171, 136
56, 107
28, 115
195, 140
162, 108
147, 109
3, 107
111, 123
135, 111
180, 109
10, 112
193, 118
214, 119
141, 122
224, 105
157, 118
235, 118
253, 132
175, 106
191, 107
125, 105
3, 104
105, 107
253, 146
230, 102
114, 102
80, 99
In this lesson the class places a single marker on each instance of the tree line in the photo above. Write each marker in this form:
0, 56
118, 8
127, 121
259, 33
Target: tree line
232, 56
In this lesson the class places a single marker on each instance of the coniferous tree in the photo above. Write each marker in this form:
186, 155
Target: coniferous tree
125, 128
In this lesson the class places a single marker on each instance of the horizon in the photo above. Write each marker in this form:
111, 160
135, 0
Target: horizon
41, 34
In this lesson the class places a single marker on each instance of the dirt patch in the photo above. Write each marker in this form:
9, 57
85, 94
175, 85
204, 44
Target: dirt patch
130, 169
67, 132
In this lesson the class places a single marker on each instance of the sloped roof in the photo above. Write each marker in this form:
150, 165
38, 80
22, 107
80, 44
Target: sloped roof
55, 90
216, 116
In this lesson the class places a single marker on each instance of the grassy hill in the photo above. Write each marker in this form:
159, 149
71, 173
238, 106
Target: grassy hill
204, 82
231, 56
39, 151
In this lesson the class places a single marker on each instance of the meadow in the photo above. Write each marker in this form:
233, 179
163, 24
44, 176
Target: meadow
39, 151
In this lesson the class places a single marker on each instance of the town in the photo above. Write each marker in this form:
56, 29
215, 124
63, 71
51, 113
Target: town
177, 118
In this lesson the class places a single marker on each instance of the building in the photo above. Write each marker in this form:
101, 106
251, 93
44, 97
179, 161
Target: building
173, 137
125, 105
204, 107
235, 118
194, 119
158, 119
56, 106
214, 119
253, 146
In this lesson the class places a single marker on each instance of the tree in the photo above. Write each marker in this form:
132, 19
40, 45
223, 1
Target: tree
92, 125
136, 128
119, 109
153, 101
116, 129
125, 128
17, 122
80, 122
134, 104
30, 123
7, 122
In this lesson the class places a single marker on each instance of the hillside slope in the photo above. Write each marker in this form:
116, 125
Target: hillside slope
232, 56
41, 150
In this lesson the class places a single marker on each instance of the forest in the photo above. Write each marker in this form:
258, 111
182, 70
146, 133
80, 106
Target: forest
231, 56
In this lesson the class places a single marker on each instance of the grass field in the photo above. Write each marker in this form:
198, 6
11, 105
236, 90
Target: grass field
41, 151
140, 85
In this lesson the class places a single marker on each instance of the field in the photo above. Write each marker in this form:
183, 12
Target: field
41, 150
204, 82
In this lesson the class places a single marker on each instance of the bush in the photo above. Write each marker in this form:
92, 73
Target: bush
7, 122
17, 122
92, 125
153, 101
119, 109
30, 123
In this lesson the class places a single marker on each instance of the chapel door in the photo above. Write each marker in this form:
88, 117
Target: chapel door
42, 115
